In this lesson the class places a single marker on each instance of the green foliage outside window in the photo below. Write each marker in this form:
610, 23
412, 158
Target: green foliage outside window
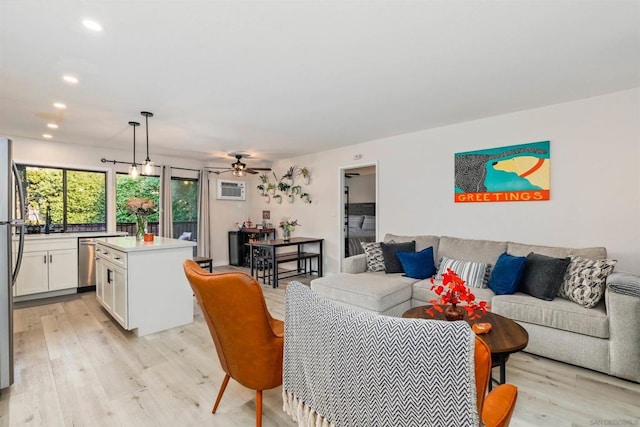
129, 188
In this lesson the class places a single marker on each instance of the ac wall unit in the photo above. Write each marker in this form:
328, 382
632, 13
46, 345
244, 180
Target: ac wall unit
231, 190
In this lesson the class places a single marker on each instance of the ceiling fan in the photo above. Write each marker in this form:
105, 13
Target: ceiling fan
238, 168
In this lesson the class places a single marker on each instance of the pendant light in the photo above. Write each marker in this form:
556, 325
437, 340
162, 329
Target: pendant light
133, 169
147, 169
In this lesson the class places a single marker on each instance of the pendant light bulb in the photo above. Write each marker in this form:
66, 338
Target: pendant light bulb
148, 164
133, 169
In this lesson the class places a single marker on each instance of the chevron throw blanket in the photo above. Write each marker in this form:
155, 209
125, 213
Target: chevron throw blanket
345, 367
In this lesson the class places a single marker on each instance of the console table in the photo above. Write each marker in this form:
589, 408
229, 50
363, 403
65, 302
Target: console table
272, 258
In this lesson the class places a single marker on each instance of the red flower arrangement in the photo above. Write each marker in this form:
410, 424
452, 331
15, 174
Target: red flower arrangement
453, 291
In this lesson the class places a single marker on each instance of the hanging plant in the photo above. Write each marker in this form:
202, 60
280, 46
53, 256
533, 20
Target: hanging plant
283, 186
288, 175
306, 175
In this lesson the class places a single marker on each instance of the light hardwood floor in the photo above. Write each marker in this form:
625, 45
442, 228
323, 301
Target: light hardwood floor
77, 367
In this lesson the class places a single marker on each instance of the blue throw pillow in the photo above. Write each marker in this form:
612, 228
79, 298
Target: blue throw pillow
418, 265
506, 274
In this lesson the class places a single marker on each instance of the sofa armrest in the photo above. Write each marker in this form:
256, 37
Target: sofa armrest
622, 298
355, 264
624, 283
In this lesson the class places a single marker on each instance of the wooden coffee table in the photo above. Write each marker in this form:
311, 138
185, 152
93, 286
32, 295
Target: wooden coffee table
506, 336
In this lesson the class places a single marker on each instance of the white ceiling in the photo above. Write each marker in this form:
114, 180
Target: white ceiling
281, 78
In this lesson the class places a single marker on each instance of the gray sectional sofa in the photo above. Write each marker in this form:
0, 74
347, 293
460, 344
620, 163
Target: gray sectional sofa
605, 338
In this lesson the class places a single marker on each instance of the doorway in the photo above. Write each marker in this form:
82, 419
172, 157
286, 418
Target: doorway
359, 206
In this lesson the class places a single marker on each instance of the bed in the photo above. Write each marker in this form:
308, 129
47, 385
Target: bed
361, 227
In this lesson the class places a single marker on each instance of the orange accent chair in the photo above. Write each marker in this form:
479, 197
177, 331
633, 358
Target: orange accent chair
248, 340
497, 407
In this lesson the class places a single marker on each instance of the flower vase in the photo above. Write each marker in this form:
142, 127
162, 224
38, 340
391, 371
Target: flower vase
453, 312
141, 227
286, 234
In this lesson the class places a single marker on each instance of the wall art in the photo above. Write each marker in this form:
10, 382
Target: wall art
517, 173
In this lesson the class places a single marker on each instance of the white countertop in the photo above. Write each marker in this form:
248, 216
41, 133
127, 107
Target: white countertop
52, 236
130, 244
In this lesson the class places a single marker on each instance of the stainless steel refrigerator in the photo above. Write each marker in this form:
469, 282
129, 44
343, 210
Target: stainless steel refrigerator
11, 230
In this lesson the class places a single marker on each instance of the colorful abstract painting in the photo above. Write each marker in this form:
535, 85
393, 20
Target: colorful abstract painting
517, 173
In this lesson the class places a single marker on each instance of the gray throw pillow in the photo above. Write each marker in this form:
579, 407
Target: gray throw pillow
585, 280
391, 262
543, 276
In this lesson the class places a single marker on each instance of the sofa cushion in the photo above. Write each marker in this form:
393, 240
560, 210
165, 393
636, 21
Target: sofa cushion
391, 262
486, 251
422, 292
519, 249
422, 242
373, 252
506, 274
543, 276
559, 313
418, 265
584, 281
475, 274
372, 291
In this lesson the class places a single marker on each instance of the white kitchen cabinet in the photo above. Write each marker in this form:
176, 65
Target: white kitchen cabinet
48, 266
142, 284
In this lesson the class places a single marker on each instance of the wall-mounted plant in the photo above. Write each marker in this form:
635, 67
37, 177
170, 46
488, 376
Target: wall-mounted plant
306, 175
262, 189
267, 198
295, 190
277, 198
290, 198
288, 175
271, 188
264, 178
283, 186
305, 197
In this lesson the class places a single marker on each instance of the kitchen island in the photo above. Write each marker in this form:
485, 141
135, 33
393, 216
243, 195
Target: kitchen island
142, 284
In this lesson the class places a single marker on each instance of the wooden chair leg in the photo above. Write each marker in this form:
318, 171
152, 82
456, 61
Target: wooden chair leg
221, 392
258, 408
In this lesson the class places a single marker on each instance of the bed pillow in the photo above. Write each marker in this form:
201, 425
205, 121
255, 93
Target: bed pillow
391, 262
475, 274
543, 276
418, 265
585, 279
373, 253
355, 221
506, 274
369, 222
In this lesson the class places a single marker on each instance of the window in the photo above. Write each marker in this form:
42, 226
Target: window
63, 200
128, 188
184, 201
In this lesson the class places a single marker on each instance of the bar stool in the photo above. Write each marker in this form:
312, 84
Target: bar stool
204, 262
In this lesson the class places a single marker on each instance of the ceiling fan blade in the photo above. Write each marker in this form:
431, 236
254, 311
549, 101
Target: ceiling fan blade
251, 171
261, 169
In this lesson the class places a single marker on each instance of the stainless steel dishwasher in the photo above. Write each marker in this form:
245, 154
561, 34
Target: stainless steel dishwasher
86, 264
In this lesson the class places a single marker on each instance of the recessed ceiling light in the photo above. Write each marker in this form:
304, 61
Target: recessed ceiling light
46, 136
59, 105
70, 79
92, 25
52, 125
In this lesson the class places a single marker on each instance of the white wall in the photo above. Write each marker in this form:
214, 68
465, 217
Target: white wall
362, 188
595, 181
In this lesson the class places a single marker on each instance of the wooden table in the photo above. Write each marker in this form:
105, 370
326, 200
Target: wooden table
300, 255
505, 337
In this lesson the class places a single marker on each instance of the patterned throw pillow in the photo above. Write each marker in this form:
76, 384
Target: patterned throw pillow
475, 274
585, 279
375, 258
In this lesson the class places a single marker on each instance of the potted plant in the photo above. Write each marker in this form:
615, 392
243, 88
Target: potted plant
306, 175
271, 188
305, 197
288, 175
277, 198
283, 186
295, 190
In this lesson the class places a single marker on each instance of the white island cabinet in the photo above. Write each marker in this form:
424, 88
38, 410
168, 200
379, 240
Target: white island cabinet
142, 284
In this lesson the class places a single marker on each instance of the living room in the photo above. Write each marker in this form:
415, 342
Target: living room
586, 103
